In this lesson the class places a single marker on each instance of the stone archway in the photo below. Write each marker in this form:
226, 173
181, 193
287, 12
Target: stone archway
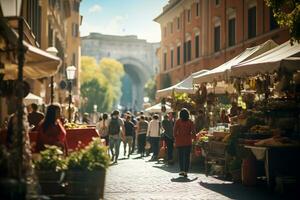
136, 75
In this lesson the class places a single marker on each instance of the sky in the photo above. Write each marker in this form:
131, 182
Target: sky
122, 17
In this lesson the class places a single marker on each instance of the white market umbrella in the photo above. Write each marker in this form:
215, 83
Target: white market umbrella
32, 98
284, 56
185, 86
220, 73
157, 108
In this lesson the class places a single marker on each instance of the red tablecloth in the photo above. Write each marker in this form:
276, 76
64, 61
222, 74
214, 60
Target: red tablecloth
80, 136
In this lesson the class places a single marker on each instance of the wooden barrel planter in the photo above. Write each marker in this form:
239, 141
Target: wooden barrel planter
50, 182
85, 184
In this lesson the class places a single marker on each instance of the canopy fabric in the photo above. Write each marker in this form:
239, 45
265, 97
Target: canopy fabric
220, 73
157, 108
284, 56
220, 88
32, 98
38, 64
185, 86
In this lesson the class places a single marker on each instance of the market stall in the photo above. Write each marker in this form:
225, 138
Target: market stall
157, 108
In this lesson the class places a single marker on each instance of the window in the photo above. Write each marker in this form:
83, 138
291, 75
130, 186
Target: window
50, 35
197, 49
252, 22
217, 39
172, 57
171, 27
75, 30
34, 17
74, 59
165, 61
76, 6
273, 23
231, 32
187, 51
178, 55
189, 15
217, 2
197, 9
178, 23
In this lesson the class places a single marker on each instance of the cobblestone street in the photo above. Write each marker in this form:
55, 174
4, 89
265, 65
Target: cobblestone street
137, 178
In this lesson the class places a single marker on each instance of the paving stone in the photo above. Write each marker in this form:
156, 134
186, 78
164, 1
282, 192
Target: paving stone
139, 179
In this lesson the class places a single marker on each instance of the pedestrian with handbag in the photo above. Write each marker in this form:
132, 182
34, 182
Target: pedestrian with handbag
102, 128
141, 130
167, 135
153, 133
183, 134
116, 132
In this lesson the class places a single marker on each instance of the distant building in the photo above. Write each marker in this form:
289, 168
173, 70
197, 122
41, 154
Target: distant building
137, 56
203, 34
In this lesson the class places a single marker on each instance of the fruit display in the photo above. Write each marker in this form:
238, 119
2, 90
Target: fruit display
74, 125
201, 137
260, 129
182, 100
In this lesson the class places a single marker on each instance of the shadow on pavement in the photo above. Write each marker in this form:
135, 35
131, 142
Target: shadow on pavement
167, 168
238, 191
183, 179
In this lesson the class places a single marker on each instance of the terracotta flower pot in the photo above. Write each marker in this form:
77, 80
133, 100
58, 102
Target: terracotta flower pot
85, 184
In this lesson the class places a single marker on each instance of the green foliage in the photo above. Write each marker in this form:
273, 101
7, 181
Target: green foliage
150, 89
93, 157
96, 95
52, 158
100, 83
287, 14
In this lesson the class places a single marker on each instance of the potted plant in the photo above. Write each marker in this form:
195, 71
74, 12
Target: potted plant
86, 169
49, 168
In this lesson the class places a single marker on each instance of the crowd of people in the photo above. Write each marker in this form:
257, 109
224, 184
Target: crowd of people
141, 134
147, 134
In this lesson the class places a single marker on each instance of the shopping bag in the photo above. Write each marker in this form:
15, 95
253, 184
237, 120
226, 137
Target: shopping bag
162, 153
148, 145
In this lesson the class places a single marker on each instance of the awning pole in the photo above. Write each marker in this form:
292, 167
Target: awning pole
20, 95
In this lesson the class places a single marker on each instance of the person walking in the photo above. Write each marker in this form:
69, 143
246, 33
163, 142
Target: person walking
153, 132
183, 134
129, 132
167, 126
116, 132
35, 117
102, 128
142, 127
51, 130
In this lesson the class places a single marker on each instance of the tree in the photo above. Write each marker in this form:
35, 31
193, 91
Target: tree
96, 95
150, 89
104, 78
113, 72
287, 14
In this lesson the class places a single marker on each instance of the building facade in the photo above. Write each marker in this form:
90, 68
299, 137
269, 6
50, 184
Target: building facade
136, 55
203, 34
51, 23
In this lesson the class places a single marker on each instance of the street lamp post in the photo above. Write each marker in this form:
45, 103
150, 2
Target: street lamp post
70, 76
12, 8
53, 51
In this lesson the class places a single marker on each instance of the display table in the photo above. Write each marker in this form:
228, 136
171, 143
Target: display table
214, 153
80, 137
278, 160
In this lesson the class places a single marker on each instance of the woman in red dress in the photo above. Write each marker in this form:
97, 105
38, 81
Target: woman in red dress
51, 130
183, 134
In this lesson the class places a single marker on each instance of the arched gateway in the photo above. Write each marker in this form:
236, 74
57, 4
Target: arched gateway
137, 56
